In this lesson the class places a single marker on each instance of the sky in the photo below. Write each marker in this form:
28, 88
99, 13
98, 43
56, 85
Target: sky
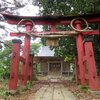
28, 10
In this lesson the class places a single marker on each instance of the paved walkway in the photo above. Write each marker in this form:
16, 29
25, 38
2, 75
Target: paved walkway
53, 92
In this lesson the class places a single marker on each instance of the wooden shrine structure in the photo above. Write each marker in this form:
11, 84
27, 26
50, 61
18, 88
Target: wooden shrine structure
85, 52
52, 65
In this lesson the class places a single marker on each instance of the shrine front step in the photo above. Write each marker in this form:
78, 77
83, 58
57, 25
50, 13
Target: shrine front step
54, 78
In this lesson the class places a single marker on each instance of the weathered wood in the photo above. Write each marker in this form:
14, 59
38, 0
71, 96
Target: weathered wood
26, 55
50, 19
92, 73
80, 50
14, 65
56, 34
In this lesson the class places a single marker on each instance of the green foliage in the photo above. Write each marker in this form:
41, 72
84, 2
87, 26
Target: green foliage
66, 7
22, 90
28, 85
3, 92
5, 58
67, 47
3, 89
35, 48
68, 58
38, 68
84, 88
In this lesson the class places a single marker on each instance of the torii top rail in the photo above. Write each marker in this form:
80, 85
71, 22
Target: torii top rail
51, 19
55, 20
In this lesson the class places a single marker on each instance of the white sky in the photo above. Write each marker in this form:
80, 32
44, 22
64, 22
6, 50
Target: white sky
28, 10
26, 1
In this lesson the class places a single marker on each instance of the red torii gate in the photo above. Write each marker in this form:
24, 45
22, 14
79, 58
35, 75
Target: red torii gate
84, 50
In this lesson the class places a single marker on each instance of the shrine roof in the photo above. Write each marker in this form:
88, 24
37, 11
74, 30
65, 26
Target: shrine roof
45, 51
50, 17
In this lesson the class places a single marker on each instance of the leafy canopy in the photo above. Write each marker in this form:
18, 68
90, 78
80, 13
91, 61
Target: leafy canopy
67, 46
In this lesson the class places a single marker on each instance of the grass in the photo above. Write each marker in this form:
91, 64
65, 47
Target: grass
84, 88
20, 92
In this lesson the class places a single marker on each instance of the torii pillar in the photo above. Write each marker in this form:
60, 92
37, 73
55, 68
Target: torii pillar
91, 65
14, 65
26, 55
80, 51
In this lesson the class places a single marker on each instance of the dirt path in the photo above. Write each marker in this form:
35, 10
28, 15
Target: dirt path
43, 90
52, 92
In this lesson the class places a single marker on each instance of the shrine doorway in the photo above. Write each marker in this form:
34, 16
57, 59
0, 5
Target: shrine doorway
55, 68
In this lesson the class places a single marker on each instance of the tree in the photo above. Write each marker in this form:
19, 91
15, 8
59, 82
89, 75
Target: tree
5, 58
67, 47
5, 46
10, 7
67, 7
35, 48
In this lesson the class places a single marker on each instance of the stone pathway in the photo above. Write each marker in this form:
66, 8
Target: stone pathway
52, 92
